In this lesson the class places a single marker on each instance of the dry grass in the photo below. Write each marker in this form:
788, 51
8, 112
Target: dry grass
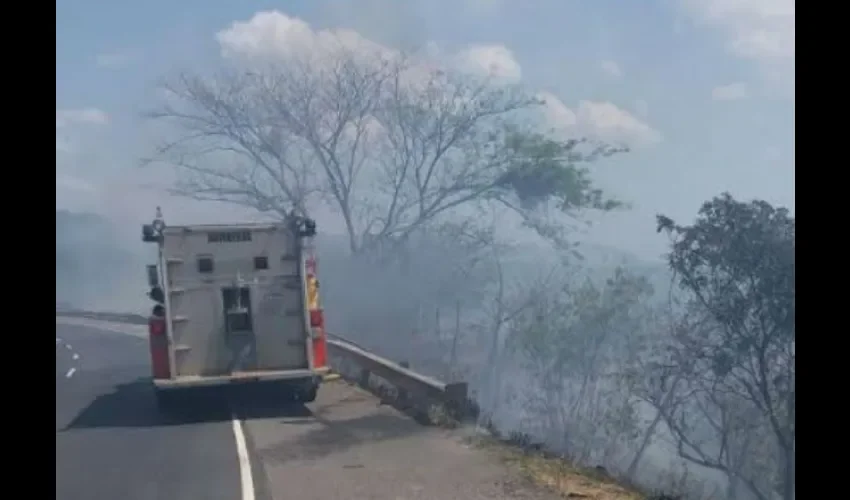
559, 475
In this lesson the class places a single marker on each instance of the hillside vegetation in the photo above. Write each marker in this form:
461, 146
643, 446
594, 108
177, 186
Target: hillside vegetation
681, 379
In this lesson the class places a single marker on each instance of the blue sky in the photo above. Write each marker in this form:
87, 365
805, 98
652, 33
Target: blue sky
664, 62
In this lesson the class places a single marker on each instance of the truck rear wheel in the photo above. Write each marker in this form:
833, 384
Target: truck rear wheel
307, 394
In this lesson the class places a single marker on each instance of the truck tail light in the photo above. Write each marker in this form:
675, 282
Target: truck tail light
320, 345
317, 318
156, 327
158, 340
320, 349
310, 265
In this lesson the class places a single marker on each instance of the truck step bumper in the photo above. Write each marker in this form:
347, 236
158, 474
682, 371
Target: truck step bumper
189, 381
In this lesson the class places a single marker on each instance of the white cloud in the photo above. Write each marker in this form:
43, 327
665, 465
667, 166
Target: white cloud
274, 34
731, 92
264, 33
277, 35
758, 30
93, 116
492, 60
598, 120
610, 122
557, 113
611, 68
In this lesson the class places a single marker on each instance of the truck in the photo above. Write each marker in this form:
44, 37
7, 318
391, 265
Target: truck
236, 305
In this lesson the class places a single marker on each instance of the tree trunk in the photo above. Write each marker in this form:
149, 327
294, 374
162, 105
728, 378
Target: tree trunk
453, 353
494, 379
353, 247
789, 466
650, 431
493, 390
732, 487
644, 444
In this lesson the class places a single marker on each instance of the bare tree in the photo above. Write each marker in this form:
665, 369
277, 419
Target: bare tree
737, 263
653, 380
389, 142
573, 341
506, 305
270, 139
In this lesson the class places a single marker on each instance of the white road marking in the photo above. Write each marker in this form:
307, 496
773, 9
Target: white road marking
68, 346
75, 356
245, 474
58, 340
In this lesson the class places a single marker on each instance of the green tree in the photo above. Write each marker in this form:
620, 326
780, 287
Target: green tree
736, 263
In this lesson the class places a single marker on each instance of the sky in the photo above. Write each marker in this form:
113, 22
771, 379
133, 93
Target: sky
702, 90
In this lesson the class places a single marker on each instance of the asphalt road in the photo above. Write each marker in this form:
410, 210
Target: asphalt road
113, 444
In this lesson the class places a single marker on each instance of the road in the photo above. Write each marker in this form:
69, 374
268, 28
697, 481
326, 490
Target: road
112, 442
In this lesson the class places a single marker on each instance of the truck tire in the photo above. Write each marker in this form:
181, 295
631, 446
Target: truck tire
307, 394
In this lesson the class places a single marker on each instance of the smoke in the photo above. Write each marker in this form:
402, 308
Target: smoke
97, 268
516, 322
513, 320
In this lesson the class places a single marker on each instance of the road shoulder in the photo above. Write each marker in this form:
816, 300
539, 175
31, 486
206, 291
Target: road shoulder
351, 446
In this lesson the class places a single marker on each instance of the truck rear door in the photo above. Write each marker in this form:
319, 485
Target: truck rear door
236, 299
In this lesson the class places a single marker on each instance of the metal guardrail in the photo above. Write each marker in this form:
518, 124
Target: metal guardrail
452, 395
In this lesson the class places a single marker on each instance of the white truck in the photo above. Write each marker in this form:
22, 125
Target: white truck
235, 304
